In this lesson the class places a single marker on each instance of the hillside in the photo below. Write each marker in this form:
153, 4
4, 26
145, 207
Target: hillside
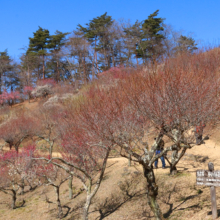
78, 141
122, 192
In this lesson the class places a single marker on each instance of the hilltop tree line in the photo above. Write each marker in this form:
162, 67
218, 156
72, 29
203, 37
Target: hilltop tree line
78, 57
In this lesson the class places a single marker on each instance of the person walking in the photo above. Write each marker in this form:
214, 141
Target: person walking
198, 133
159, 149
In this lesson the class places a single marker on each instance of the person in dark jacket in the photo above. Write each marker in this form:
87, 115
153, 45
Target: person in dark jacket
159, 149
198, 133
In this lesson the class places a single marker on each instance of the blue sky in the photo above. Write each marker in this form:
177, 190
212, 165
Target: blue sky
20, 18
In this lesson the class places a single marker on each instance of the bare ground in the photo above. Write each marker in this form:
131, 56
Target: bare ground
122, 193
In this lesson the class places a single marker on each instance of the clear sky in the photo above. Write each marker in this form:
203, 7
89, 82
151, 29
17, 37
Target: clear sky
20, 18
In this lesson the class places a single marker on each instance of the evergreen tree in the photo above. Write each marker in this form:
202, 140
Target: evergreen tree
39, 45
151, 46
144, 39
96, 32
5, 68
12, 79
185, 44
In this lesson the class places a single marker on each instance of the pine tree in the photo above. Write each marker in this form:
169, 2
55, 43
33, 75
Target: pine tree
151, 46
185, 44
39, 45
96, 32
5, 68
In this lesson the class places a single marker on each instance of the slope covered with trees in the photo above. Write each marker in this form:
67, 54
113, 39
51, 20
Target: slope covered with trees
109, 89
77, 58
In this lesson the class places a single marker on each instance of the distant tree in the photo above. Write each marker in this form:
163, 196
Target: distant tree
185, 44
56, 43
6, 68
151, 46
79, 60
133, 39
27, 91
9, 97
39, 45
17, 129
144, 39
43, 88
170, 40
42, 91
29, 69
116, 51
47, 126
96, 31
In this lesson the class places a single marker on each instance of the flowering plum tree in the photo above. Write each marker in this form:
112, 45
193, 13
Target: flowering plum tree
119, 124
46, 128
177, 99
17, 129
15, 169
42, 91
9, 97
27, 91
44, 88
52, 175
84, 154
48, 81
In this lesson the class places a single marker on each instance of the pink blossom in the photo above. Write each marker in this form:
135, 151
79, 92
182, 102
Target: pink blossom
46, 82
28, 90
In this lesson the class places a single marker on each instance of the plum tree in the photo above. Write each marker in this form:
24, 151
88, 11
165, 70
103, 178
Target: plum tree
16, 168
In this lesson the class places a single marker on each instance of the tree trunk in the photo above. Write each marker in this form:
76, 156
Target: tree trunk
113, 59
43, 68
51, 150
84, 70
58, 73
38, 73
129, 160
14, 198
22, 186
96, 61
90, 194
152, 192
70, 185
86, 207
57, 191
154, 206
28, 76
173, 170
176, 156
